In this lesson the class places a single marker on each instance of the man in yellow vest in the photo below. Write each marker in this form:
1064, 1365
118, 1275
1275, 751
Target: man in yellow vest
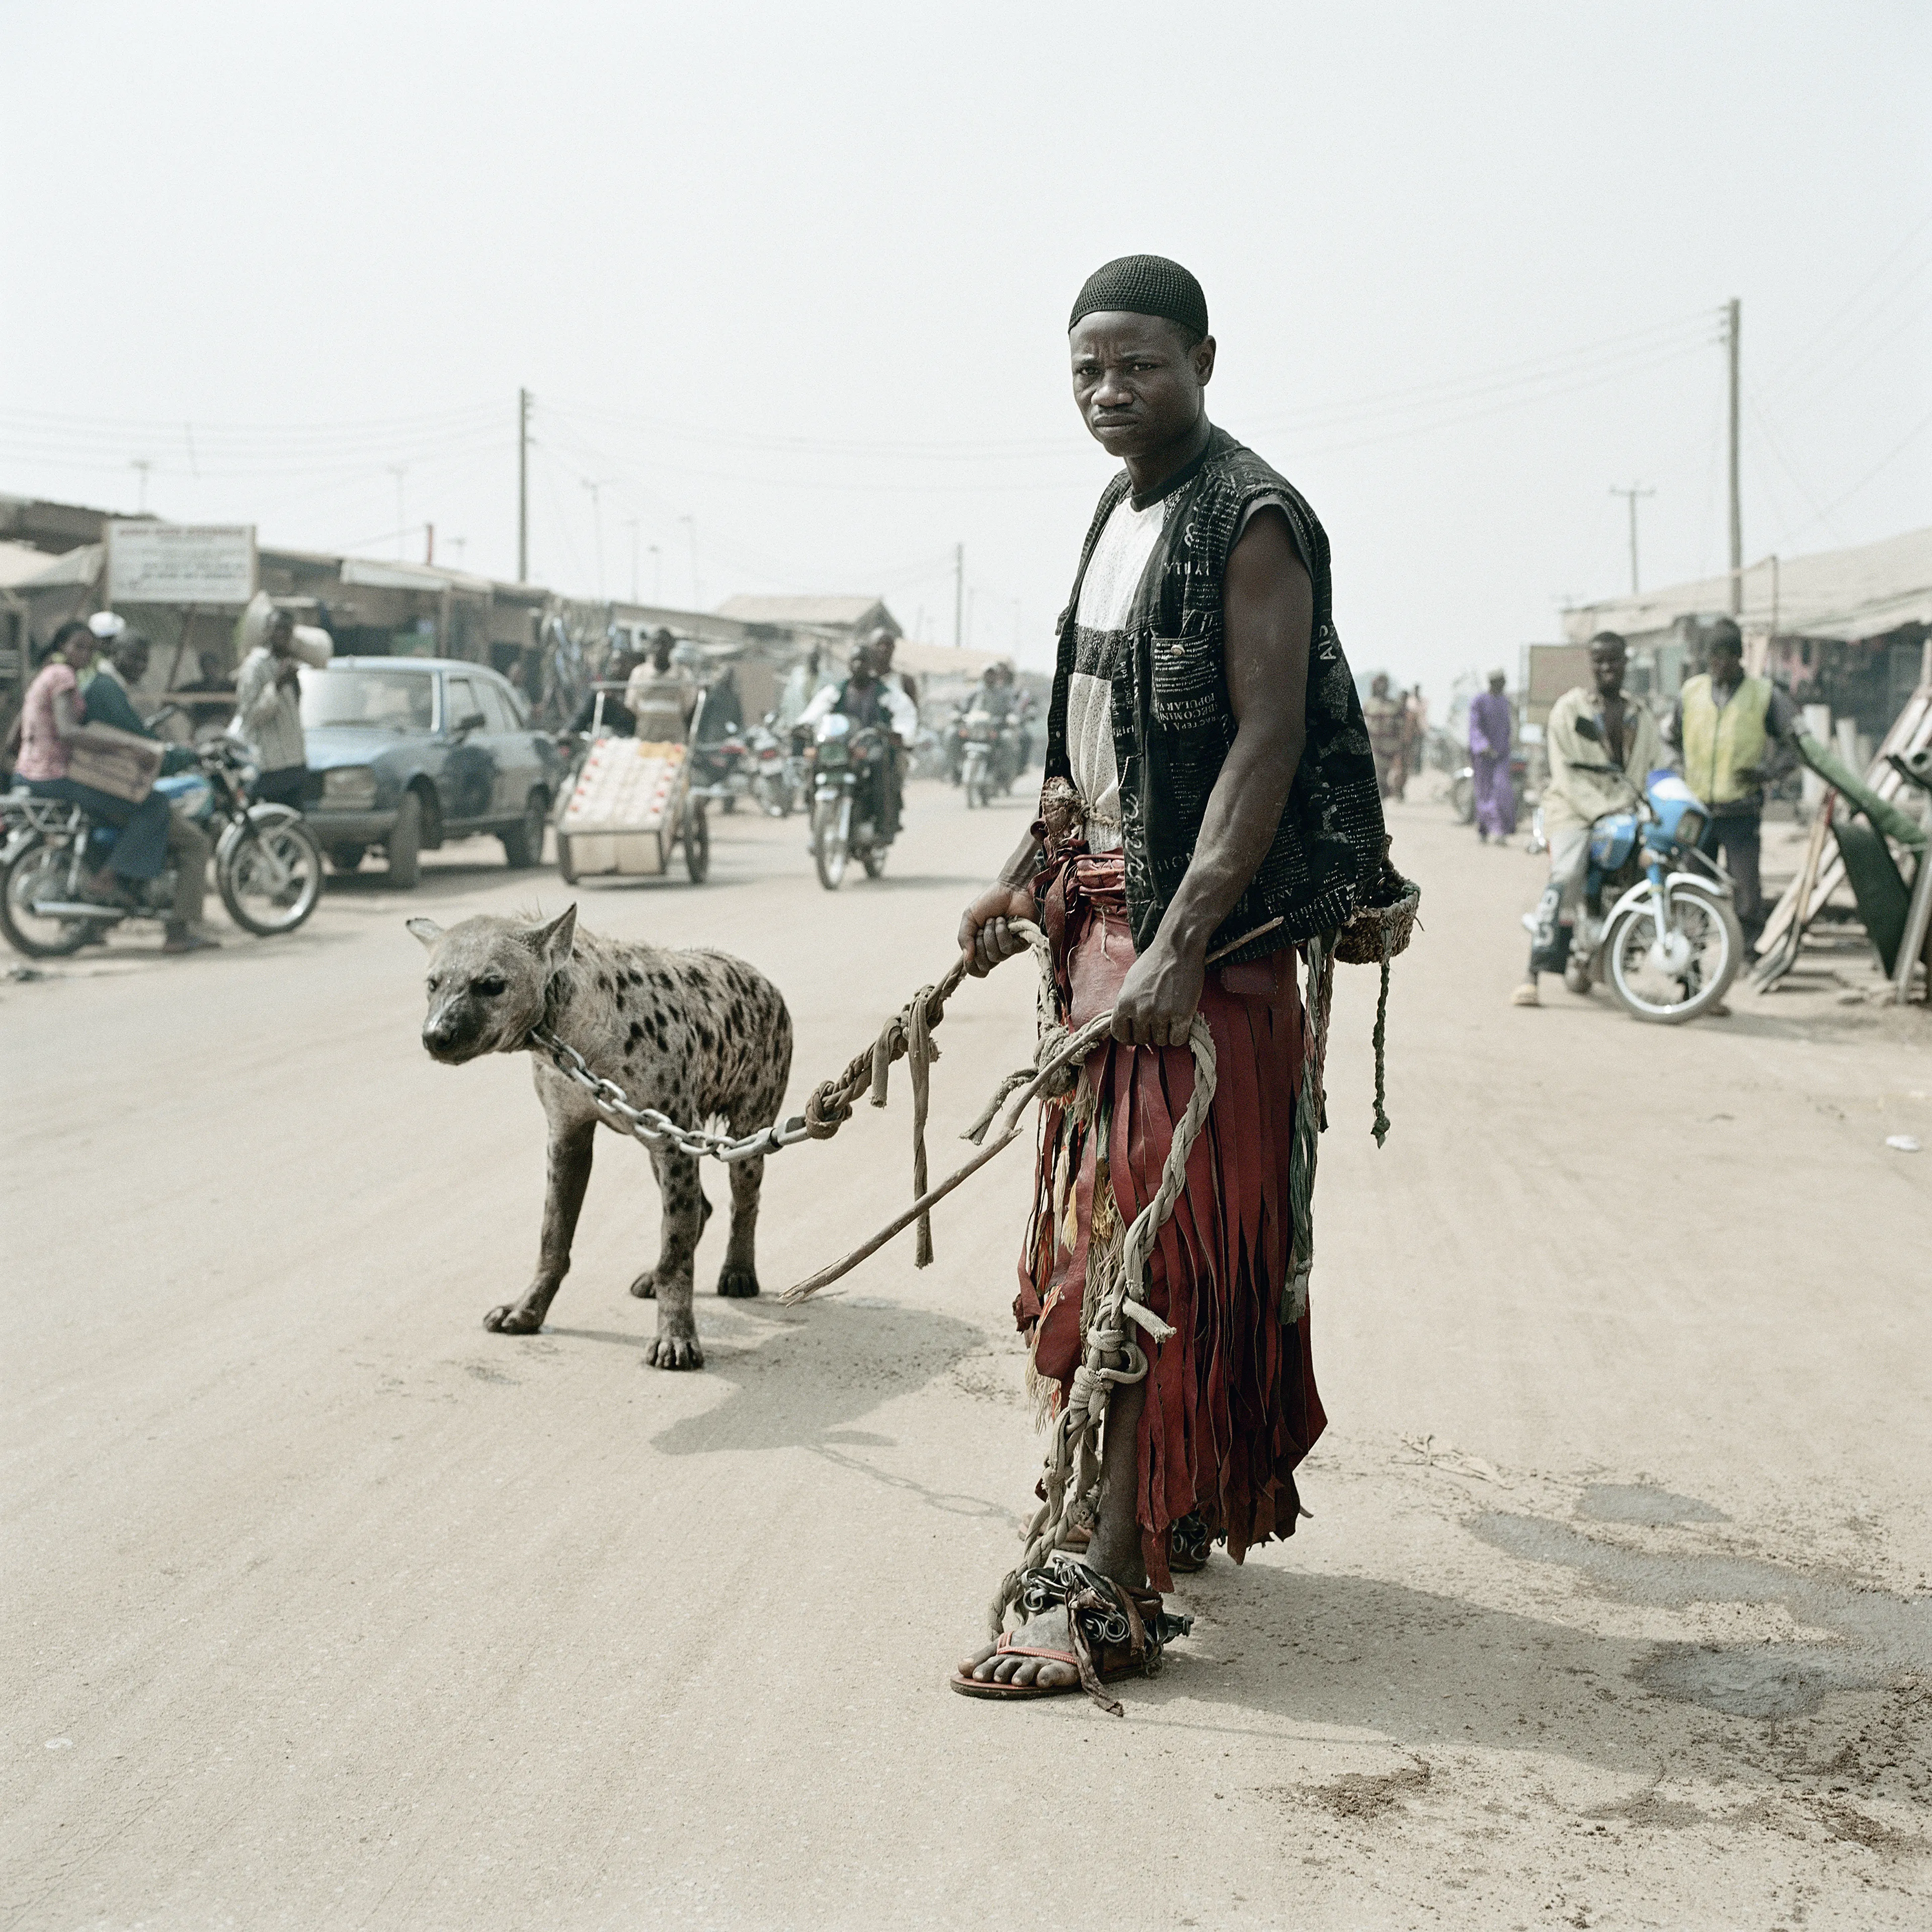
1723, 730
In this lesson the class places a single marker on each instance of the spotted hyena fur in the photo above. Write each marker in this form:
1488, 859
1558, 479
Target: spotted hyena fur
697, 1035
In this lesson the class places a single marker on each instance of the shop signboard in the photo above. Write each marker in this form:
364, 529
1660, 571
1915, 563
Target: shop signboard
205, 565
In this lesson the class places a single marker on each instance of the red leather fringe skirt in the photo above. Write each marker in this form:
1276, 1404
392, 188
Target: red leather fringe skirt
1231, 1407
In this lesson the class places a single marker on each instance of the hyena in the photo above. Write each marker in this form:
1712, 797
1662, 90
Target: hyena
696, 1035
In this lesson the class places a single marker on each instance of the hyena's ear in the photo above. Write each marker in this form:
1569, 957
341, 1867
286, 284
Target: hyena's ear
551, 943
426, 930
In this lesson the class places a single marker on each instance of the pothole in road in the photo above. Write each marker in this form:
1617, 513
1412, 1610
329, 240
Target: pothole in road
1878, 1635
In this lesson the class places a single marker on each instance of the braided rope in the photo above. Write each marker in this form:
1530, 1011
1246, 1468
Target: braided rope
1109, 1356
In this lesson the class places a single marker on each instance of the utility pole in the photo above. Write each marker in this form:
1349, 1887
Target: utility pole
1733, 321
429, 543
597, 519
143, 465
523, 486
958, 595
1631, 495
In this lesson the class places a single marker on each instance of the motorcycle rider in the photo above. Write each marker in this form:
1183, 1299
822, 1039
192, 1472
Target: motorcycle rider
996, 698
52, 723
109, 700
1019, 713
868, 700
1602, 747
879, 646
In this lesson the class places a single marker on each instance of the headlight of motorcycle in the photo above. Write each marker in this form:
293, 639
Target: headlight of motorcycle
1690, 828
349, 788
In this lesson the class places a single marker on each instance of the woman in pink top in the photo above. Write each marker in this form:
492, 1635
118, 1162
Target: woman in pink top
51, 723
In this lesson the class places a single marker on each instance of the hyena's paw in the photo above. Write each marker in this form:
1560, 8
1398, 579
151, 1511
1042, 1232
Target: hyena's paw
674, 1352
514, 1318
737, 1281
645, 1288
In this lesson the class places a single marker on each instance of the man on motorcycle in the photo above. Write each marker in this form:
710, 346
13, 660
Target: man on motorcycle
1601, 747
53, 726
109, 700
868, 700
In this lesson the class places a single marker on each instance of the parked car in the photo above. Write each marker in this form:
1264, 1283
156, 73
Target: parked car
413, 751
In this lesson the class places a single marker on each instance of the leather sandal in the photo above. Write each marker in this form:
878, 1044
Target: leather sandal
1117, 1631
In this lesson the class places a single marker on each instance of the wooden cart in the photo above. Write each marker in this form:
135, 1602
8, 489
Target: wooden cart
630, 809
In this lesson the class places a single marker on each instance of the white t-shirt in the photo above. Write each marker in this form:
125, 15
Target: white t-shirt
1114, 574
1107, 592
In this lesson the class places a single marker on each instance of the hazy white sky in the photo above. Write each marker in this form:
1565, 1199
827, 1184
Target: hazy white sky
790, 284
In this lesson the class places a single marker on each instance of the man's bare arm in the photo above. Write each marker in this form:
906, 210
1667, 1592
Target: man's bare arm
985, 936
1269, 604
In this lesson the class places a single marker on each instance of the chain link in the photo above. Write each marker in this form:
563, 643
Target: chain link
659, 1130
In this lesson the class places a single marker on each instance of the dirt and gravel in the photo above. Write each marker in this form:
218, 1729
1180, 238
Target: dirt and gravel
325, 1608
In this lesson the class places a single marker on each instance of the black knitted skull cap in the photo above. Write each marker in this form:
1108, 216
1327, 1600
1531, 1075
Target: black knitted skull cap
1144, 285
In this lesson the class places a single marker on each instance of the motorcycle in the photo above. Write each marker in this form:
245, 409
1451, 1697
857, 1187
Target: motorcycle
268, 865
1670, 944
772, 783
1462, 787
992, 759
721, 771
848, 798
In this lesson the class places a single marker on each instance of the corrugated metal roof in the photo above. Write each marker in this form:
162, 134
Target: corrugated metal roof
831, 612
1862, 591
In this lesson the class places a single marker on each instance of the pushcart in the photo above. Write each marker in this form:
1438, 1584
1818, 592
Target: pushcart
630, 809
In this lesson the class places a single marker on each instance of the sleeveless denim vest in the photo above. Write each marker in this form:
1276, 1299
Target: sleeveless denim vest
1173, 723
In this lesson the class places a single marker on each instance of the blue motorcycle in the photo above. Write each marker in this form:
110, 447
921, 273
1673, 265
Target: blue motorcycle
1670, 944
268, 866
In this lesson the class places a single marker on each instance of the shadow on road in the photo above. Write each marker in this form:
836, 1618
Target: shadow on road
808, 1375
1436, 1671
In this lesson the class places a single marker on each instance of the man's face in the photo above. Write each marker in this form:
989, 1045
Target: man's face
282, 635
1727, 664
1378, 687
131, 662
1496, 685
1606, 668
211, 666
1138, 387
861, 667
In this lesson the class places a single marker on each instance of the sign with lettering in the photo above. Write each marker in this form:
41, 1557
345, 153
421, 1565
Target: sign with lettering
206, 564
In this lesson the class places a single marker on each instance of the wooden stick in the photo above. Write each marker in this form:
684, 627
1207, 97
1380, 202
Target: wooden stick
801, 1291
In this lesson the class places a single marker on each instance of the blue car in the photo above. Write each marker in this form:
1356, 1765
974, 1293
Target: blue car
412, 752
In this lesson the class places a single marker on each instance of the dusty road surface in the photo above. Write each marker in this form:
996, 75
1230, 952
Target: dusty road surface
325, 1608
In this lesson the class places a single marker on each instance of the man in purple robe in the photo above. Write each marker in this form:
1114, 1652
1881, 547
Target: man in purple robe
1490, 755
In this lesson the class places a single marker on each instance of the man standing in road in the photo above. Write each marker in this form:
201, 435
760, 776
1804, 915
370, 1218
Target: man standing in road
1601, 748
658, 696
267, 701
1387, 718
1210, 797
1492, 732
1723, 729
